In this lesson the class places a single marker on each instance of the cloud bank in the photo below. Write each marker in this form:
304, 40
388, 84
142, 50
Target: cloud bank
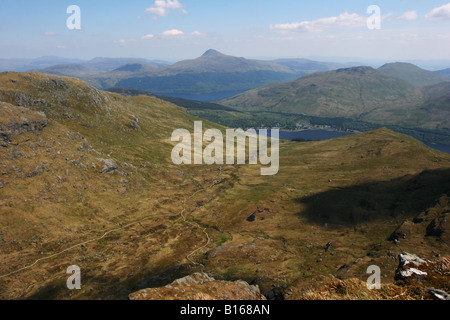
163, 7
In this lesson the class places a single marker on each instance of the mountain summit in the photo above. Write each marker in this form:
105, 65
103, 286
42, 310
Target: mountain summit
213, 53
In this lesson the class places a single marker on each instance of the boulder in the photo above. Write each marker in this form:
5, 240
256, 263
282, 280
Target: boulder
438, 294
109, 165
412, 272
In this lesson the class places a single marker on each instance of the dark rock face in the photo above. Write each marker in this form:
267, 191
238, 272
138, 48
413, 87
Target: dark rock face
17, 120
439, 227
260, 213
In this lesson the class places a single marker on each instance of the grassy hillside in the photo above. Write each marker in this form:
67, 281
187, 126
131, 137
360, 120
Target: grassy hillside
86, 179
412, 74
433, 111
308, 66
359, 93
445, 73
100, 162
350, 92
352, 192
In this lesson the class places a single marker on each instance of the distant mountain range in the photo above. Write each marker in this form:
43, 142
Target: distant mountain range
38, 63
50, 64
212, 73
212, 76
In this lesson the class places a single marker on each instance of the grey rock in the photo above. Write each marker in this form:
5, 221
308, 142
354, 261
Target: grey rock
438, 294
109, 165
412, 272
409, 258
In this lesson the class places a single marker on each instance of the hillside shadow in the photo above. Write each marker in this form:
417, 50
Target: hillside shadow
403, 197
109, 287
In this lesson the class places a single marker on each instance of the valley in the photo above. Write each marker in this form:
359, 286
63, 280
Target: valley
87, 180
224, 158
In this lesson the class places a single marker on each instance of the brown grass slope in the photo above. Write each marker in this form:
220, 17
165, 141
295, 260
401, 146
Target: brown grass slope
352, 192
61, 141
132, 223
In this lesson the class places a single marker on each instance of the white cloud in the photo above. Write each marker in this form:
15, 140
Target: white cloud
172, 33
344, 20
197, 34
409, 16
49, 33
442, 12
147, 37
162, 7
124, 42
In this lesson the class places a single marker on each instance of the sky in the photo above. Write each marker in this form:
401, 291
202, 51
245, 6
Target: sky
182, 29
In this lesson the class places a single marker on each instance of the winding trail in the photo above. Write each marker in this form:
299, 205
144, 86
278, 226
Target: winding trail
196, 225
216, 182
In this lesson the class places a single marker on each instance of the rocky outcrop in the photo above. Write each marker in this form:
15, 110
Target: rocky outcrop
18, 120
429, 276
109, 165
133, 125
431, 222
440, 227
201, 286
408, 264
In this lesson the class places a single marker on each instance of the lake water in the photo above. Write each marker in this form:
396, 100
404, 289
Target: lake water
317, 135
440, 147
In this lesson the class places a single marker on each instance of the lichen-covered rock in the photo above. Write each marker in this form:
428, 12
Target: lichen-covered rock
201, 286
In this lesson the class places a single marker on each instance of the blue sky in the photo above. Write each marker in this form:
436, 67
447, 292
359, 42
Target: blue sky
179, 29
